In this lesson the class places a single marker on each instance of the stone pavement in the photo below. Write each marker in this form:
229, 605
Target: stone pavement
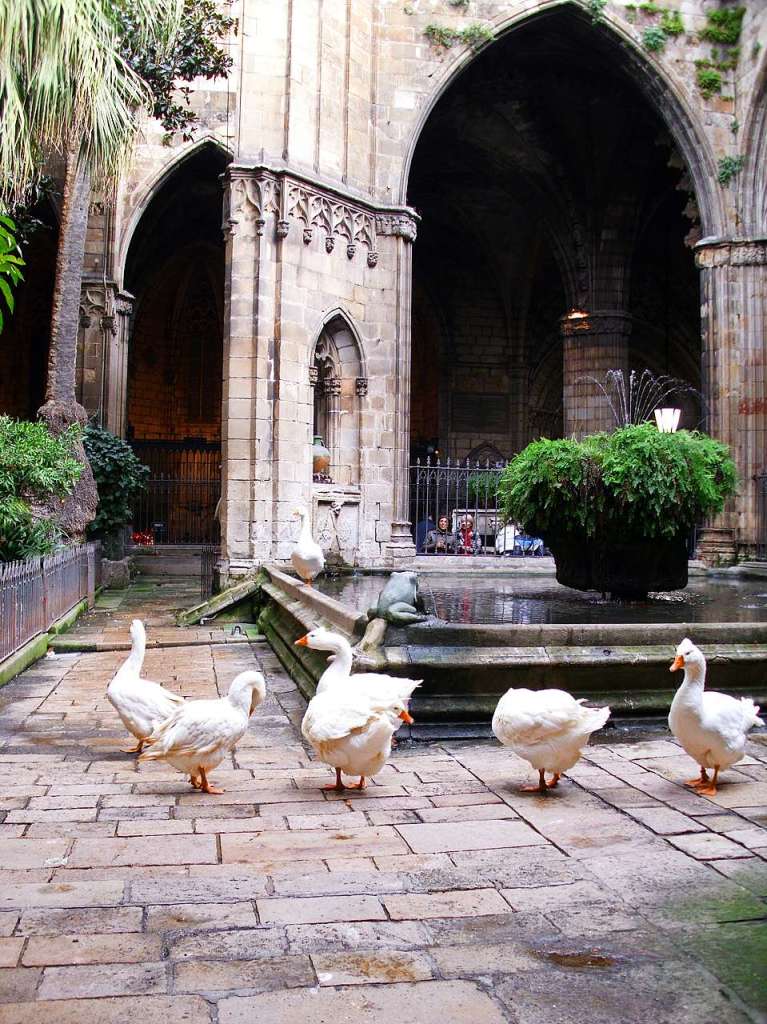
442, 895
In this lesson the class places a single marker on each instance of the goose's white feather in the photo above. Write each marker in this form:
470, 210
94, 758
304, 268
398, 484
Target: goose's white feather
141, 704
202, 732
307, 557
712, 727
548, 728
339, 670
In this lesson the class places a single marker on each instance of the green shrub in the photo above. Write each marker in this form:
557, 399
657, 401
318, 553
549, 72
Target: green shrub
35, 467
671, 23
10, 264
482, 488
474, 36
724, 25
728, 168
709, 81
635, 483
120, 478
654, 39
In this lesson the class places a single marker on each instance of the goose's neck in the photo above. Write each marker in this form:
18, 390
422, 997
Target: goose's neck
135, 659
693, 682
341, 665
306, 530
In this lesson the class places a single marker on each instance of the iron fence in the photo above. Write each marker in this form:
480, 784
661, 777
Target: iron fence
34, 593
761, 516
173, 511
208, 558
465, 494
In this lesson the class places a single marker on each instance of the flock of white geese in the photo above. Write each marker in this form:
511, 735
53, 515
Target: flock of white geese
352, 718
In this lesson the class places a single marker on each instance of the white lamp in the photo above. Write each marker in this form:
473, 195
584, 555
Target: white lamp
667, 420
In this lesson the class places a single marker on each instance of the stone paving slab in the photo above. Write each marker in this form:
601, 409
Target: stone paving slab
442, 893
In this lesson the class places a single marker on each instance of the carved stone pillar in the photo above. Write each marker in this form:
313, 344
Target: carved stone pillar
246, 428
103, 352
401, 546
591, 346
734, 326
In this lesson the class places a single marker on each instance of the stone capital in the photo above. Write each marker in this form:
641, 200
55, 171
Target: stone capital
731, 252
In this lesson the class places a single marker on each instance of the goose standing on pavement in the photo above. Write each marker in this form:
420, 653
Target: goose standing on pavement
141, 704
200, 734
712, 727
548, 728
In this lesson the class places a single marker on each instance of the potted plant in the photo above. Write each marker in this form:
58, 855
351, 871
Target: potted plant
616, 509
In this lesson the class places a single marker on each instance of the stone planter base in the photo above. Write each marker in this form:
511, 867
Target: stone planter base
628, 569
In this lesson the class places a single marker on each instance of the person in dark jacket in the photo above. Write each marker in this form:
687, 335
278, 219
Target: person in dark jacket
440, 541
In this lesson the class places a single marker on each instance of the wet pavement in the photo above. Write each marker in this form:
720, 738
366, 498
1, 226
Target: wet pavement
441, 894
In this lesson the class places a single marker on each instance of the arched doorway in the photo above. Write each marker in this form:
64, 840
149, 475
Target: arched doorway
25, 338
175, 270
546, 183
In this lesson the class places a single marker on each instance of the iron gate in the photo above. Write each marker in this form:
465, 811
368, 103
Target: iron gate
179, 503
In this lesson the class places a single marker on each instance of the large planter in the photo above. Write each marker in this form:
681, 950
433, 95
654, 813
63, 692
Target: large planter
627, 569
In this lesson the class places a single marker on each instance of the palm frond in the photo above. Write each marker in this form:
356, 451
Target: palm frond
65, 87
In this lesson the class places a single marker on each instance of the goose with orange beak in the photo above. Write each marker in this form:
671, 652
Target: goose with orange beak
712, 727
351, 725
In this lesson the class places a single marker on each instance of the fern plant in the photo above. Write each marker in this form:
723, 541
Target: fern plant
633, 483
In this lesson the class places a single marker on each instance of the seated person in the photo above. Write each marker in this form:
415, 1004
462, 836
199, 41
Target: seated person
440, 541
468, 542
505, 539
528, 545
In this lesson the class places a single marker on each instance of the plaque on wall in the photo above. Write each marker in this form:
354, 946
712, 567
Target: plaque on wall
480, 413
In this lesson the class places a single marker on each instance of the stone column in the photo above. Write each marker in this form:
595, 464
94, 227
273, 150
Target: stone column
401, 546
103, 352
246, 423
734, 326
591, 346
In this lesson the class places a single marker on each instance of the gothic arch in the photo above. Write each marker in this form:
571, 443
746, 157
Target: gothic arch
655, 83
339, 385
151, 188
755, 172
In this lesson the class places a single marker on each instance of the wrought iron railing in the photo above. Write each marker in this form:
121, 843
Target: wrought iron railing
761, 516
177, 512
208, 558
34, 593
465, 494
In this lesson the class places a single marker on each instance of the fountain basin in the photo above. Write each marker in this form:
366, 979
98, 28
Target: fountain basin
467, 666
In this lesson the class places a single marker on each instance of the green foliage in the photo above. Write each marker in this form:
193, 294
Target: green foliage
483, 487
650, 8
635, 482
120, 478
709, 80
474, 36
596, 9
724, 25
654, 38
729, 167
671, 23
195, 53
35, 466
10, 265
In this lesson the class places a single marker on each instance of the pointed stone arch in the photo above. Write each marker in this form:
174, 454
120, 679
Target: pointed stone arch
148, 190
662, 92
339, 383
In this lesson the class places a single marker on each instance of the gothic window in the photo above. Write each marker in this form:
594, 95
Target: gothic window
339, 390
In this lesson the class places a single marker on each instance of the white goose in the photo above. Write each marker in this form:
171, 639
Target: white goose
339, 670
201, 733
141, 704
352, 731
307, 557
548, 728
712, 727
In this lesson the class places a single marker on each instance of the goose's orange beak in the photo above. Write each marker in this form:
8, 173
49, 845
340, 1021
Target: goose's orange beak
407, 718
301, 642
677, 663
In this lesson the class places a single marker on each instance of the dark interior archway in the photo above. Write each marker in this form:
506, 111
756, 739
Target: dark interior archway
546, 182
25, 338
175, 270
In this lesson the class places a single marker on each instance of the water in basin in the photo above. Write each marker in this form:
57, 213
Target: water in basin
535, 600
